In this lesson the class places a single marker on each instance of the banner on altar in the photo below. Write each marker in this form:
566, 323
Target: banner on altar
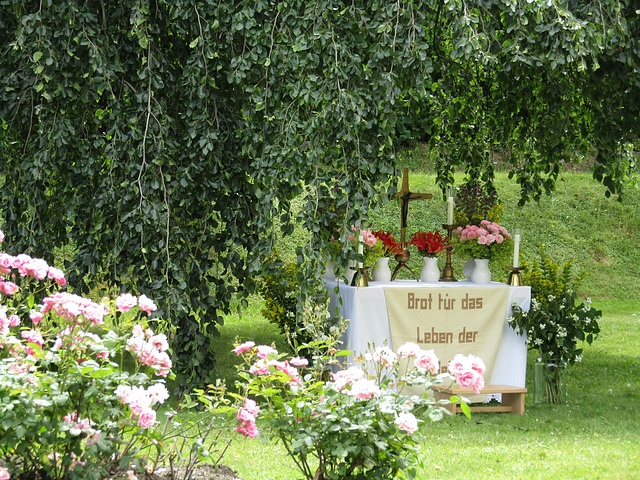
449, 320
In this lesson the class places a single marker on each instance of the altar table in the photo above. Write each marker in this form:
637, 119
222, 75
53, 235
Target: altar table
366, 309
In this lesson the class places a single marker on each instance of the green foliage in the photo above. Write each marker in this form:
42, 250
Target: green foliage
167, 139
556, 323
279, 290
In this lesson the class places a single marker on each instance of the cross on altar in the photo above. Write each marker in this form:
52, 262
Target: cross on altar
405, 195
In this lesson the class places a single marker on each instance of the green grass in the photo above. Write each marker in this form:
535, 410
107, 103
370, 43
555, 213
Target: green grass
595, 435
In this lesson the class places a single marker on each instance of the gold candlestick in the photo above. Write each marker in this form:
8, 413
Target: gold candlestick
447, 271
515, 279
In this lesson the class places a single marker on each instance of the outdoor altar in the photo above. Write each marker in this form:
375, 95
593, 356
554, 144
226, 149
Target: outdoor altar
450, 318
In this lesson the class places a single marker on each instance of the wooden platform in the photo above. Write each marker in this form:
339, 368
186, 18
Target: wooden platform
512, 398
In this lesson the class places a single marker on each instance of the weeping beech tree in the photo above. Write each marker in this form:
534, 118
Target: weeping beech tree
167, 139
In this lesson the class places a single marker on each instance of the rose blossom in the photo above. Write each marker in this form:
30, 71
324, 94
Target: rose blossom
147, 418
426, 360
264, 351
126, 302
346, 377
244, 347
407, 421
4, 473
408, 350
299, 362
146, 304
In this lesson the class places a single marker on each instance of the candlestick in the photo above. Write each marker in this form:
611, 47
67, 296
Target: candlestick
516, 248
447, 271
450, 209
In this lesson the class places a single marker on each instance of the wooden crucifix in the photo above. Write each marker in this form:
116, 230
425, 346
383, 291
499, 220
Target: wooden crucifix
405, 196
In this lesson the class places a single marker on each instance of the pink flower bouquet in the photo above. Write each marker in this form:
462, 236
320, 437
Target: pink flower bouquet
487, 240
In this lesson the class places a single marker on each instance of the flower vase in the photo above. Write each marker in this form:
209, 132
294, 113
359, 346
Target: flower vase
381, 272
481, 272
550, 382
329, 274
430, 272
468, 267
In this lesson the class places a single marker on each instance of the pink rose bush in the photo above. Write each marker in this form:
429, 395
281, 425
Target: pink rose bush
487, 240
360, 419
73, 410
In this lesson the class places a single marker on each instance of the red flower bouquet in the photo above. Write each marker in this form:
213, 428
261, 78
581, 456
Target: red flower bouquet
391, 246
429, 244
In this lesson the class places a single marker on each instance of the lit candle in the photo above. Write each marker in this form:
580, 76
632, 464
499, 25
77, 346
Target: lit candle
516, 248
360, 249
450, 209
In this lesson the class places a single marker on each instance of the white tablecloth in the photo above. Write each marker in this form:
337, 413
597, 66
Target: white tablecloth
366, 309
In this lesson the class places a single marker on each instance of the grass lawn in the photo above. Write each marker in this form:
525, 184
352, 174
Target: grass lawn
596, 435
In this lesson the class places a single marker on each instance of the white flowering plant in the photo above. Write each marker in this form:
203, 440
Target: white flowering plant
557, 327
69, 409
358, 423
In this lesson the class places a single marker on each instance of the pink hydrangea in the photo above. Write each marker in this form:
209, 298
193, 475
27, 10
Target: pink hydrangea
244, 347
427, 361
126, 302
146, 304
407, 421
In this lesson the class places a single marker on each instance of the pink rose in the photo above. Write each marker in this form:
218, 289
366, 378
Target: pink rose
364, 389
427, 361
36, 316
147, 418
126, 302
299, 362
407, 421
57, 276
1, 240
408, 350
346, 377
244, 347
14, 320
264, 351
146, 304
9, 288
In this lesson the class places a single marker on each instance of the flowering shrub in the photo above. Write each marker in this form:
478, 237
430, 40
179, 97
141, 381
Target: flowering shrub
278, 290
359, 423
68, 409
474, 204
488, 240
429, 244
556, 323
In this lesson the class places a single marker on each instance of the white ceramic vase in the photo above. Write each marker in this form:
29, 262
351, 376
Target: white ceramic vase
468, 267
382, 272
481, 272
430, 272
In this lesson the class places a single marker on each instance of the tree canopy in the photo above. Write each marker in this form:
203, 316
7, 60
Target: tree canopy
167, 139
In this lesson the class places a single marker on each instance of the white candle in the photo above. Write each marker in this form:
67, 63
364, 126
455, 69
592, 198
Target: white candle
450, 209
516, 248
360, 249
